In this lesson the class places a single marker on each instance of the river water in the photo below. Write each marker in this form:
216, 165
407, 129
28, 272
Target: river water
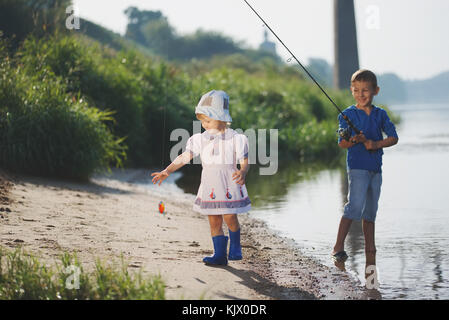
305, 203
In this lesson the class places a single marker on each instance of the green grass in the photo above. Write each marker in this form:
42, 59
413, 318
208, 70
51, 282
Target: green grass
24, 277
47, 130
70, 106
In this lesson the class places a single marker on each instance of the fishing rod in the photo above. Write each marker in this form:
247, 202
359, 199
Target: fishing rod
342, 132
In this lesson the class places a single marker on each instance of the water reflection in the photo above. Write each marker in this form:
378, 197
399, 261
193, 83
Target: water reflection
437, 284
268, 191
265, 191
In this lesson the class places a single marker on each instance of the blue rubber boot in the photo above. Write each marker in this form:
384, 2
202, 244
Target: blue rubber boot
220, 248
235, 249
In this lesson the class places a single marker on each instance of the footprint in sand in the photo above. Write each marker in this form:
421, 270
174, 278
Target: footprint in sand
15, 243
136, 264
194, 244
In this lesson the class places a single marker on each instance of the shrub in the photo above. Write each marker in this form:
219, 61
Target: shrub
137, 89
46, 131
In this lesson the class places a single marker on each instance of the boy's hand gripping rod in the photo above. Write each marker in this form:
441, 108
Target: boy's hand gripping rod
357, 131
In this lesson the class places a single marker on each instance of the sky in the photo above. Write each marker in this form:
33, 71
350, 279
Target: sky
406, 37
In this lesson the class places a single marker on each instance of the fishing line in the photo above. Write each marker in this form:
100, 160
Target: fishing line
161, 206
163, 130
304, 68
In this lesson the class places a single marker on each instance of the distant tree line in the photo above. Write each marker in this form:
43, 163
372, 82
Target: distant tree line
152, 29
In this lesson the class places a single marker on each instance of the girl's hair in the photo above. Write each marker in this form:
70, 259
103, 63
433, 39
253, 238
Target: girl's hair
200, 116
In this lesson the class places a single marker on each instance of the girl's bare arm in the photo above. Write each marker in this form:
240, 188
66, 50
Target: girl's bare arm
240, 175
179, 162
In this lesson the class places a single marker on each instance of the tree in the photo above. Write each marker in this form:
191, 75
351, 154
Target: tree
160, 37
19, 18
204, 44
136, 22
152, 29
322, 70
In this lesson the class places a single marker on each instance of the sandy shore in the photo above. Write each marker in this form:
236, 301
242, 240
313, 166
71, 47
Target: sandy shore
117, 214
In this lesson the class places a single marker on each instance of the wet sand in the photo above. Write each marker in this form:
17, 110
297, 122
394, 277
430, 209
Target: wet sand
113, 215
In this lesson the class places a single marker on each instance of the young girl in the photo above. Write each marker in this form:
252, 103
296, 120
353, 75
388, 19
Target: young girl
222, 193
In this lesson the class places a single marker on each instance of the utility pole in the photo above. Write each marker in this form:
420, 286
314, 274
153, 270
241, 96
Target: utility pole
345, 43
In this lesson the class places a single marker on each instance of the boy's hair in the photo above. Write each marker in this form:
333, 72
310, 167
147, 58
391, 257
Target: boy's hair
364, 75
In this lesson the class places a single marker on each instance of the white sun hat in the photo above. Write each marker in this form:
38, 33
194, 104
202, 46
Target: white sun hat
215, 105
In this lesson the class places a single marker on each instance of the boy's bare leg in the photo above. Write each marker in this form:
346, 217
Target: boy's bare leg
370, 246
232, 222
216, 222
343, 230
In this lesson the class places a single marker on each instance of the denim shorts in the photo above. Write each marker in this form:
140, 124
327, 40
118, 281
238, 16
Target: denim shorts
363, 196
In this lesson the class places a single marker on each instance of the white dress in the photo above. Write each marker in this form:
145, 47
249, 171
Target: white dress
218, 193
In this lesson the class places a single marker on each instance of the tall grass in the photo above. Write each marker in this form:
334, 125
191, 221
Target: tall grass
23, 276
46, 130
138, 89
69, 106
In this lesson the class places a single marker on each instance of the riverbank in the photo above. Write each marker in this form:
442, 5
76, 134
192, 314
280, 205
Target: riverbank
115, 215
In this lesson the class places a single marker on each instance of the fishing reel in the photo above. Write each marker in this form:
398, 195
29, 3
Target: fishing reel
344, 133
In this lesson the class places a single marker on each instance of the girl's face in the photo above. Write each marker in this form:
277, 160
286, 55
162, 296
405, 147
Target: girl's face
211, 125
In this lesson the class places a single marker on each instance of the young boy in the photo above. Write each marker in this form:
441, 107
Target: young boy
364, 162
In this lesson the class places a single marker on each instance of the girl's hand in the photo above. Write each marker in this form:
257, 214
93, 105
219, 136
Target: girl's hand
239, 176
159, 176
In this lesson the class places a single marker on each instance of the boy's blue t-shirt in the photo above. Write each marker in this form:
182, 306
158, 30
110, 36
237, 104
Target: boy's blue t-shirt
372, 127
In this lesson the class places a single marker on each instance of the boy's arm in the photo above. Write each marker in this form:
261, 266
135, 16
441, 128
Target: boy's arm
342, 143
370, 144
345, 144
387, 142
389, 129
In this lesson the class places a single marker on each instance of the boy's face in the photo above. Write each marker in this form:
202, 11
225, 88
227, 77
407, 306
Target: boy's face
363, 93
